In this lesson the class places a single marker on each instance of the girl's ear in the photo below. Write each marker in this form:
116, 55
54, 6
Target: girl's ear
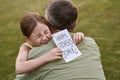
26, 38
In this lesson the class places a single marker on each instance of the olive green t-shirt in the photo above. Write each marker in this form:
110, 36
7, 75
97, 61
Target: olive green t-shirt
85, 67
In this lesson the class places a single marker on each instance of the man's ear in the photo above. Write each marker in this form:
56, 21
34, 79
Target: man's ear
72, 27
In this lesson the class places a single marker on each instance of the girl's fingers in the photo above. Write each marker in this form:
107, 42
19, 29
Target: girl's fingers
59, 50
58, 53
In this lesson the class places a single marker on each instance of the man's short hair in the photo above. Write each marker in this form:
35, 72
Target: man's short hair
61, 14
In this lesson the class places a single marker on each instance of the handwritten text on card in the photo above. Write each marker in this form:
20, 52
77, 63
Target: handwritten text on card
64, 41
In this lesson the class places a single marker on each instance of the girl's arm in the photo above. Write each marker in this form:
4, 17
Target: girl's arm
78, 37
24, 66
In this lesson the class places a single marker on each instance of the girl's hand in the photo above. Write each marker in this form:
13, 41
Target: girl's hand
53, 55
78, 37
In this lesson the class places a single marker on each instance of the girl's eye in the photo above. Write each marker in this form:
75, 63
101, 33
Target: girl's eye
46, 32
38, 36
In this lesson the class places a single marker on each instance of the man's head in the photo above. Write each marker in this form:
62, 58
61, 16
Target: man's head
61, 14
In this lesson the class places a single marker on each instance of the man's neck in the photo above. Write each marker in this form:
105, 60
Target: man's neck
53, 30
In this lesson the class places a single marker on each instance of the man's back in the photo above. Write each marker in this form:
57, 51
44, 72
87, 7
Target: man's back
85, 67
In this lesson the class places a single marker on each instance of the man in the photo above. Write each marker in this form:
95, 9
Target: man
62, 14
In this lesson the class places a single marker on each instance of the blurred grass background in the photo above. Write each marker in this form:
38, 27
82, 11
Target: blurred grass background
99, 19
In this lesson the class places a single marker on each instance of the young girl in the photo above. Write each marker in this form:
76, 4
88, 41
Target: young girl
36, 33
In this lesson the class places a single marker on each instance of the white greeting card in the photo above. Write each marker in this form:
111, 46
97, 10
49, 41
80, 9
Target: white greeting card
64, 41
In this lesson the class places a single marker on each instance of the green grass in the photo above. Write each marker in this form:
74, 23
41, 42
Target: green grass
99, 19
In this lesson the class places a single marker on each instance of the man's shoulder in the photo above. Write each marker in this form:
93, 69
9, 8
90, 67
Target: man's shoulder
89, 44
87, 38
89, 41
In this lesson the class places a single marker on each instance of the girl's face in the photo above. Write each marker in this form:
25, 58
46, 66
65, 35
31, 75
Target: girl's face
41, 35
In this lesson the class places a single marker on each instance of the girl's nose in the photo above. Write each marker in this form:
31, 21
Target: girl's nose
44, 38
